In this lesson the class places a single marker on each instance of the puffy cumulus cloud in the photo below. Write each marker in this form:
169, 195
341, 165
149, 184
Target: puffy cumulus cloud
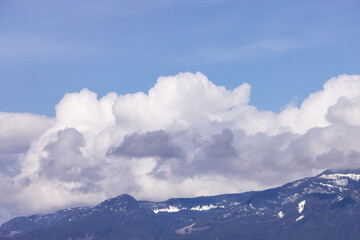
85, 112
314, 110
17, 130
185, 137
81, 111
345, 111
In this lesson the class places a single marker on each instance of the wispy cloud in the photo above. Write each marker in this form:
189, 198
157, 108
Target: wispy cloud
254, 50
36, 49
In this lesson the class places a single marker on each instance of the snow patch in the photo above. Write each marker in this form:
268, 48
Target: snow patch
341, 182
170, 209
12, 233
226, 215
332, 186
203, 208
317, 189
189, 229
299, 218
281, 214
291, 198
296, 184
301, 206
335, 176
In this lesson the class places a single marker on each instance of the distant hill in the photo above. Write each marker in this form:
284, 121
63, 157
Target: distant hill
323, 207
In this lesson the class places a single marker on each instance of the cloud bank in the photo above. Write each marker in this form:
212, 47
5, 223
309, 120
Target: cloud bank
185, 137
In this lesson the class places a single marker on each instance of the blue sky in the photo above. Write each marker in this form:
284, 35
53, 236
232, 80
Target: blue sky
284, 49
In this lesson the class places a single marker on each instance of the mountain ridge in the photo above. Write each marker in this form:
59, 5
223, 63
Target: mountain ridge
331, 198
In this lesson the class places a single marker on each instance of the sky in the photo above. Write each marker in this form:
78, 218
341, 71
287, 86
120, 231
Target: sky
170, 98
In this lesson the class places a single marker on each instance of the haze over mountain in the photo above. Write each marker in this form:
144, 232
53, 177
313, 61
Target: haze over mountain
322, 207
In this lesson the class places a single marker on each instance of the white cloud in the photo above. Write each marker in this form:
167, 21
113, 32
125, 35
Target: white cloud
181, 102
346, 111
18, 129
185, 137
313, 111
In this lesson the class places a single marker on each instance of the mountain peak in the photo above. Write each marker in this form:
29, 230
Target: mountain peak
123, 202
125, 198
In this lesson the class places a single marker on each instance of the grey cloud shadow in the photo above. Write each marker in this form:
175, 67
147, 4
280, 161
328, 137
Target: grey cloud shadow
66, 163
150, 144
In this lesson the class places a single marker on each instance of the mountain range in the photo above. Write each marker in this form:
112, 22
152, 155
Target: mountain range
326, 206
